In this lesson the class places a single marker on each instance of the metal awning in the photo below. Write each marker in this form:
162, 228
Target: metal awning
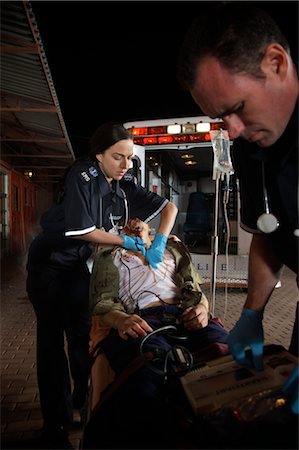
33, 134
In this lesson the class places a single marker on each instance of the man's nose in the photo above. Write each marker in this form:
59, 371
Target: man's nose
234, 125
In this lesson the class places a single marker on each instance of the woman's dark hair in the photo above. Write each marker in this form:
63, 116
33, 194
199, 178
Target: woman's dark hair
105, 136
235, 34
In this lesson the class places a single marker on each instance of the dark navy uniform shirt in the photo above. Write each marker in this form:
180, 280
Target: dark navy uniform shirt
281, 181
80, 210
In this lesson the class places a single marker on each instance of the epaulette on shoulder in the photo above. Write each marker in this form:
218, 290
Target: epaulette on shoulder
89, 173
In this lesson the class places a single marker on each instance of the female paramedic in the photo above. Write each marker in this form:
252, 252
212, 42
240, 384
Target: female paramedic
97, 196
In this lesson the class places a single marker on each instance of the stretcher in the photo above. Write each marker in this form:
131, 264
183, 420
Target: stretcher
104, 384
275, 428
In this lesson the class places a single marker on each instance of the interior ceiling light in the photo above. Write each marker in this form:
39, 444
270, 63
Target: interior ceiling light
190, 163
203, 127
187, 156
174, 129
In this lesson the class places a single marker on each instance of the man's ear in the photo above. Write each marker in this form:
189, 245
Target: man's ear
275, 61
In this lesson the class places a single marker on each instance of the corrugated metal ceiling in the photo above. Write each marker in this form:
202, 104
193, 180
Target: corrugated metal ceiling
33, 134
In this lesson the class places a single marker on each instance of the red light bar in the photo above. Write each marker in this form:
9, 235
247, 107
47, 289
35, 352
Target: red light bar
139, 131
157, 130
165, 139
201, 137
158, 135
149, 140
217, 125
168, 139
178, 138
138, 140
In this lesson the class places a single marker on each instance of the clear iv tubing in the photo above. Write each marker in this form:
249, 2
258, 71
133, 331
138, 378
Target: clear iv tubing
225, 203
215, 241
222, 167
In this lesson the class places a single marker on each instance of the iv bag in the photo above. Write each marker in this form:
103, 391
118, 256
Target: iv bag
221, 148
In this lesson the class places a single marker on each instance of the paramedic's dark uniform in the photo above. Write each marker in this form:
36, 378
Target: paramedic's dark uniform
281, 181
58, 278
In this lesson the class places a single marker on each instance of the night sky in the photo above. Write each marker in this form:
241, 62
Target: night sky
117, 60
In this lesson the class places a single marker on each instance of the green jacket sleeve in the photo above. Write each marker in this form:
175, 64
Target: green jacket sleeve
104, 283
187, 278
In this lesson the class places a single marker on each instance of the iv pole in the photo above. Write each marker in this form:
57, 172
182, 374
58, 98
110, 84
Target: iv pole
215, 240
220, 168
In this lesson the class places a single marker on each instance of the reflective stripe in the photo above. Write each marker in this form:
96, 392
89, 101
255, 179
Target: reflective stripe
80, 232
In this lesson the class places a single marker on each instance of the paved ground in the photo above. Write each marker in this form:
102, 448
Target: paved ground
20, 410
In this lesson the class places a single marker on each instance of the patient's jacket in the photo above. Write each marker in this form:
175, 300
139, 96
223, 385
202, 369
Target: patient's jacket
104, 284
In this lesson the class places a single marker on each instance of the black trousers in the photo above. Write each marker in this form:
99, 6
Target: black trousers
120, 352
60, 298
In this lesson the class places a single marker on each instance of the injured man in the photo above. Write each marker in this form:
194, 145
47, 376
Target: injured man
131, 301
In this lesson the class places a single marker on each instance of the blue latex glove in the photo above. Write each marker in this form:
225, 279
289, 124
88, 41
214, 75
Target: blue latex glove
133, 243
248, 332
291, 389
154, 254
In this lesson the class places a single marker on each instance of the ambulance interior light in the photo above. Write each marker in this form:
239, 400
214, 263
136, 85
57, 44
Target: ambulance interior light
187, 156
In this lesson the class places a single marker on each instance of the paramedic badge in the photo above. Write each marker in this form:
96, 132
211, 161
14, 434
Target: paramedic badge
129, 177
93, 171
85, 176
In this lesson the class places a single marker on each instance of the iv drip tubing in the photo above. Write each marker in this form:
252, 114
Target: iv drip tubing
215, 240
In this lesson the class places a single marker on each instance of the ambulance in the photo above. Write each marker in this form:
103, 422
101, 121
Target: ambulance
175, 157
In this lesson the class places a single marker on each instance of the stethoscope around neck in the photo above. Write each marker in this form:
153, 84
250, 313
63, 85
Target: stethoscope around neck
267, 222
115, 227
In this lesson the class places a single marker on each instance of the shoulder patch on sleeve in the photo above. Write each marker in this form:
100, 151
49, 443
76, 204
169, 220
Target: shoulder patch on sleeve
93, 171
85, 176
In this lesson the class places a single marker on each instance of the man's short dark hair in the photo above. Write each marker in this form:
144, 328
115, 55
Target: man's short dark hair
235, 34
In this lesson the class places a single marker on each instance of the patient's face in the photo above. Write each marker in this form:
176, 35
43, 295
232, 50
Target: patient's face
135, 227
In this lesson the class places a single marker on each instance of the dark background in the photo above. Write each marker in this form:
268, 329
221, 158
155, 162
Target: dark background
114, 60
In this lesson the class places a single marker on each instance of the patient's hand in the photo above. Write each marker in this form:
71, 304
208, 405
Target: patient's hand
194, 317
132, 325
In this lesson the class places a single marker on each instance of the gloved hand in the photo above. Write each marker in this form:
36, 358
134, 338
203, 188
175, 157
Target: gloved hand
248, 332
291, 389
133, 243
154, 254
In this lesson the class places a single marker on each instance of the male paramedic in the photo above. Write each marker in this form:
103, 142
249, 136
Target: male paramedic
237, 66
